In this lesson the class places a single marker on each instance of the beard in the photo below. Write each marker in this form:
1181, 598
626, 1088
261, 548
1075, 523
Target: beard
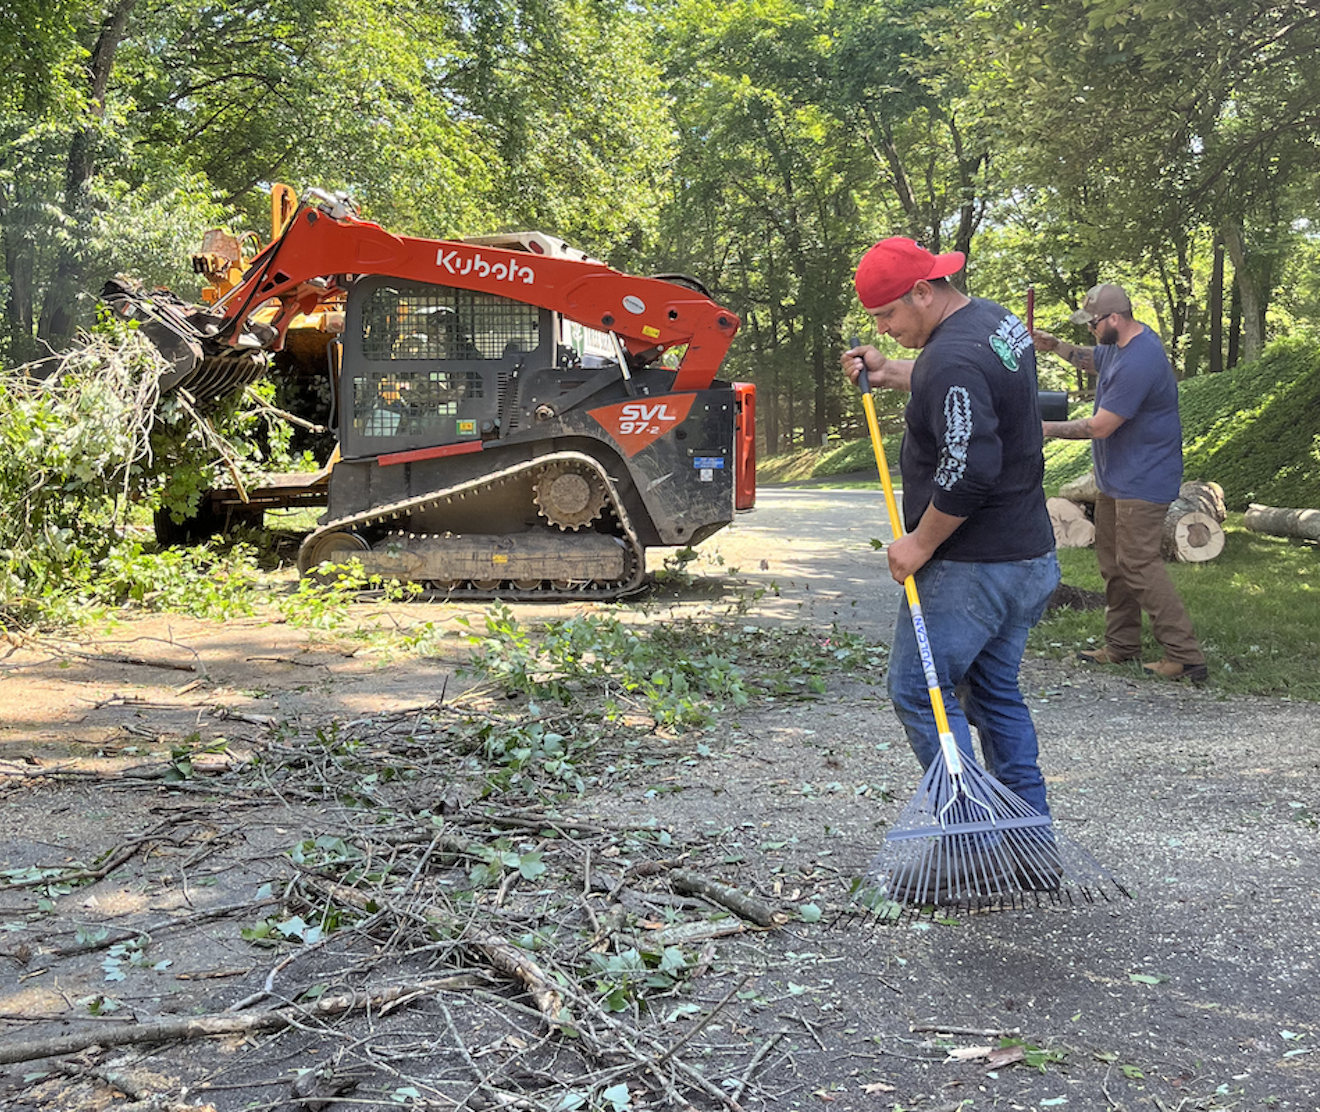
1108, 334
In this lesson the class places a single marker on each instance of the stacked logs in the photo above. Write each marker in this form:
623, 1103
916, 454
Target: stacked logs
1193, 527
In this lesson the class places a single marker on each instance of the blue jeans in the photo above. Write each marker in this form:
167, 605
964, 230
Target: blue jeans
977, 620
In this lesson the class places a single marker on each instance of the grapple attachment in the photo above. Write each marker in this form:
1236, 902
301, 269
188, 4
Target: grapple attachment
185, 337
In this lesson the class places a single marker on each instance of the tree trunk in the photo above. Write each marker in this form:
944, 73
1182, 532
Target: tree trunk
969, 212
18, 248
57, 310
884, 149
1283, 522
1177, 289
818, 366
791, 412
1234, 328
1215, 296
1253, 339
1081, 489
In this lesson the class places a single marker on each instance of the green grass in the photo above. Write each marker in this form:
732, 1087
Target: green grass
1255, 609
1253, 430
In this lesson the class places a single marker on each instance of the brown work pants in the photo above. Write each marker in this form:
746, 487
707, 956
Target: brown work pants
1127, 543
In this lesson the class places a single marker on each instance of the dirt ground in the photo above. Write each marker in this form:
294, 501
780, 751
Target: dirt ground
139, 886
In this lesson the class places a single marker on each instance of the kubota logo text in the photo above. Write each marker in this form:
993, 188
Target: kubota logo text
636, 424
461, 265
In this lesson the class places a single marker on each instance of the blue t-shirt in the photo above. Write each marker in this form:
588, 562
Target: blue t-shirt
973, 440
1142, 458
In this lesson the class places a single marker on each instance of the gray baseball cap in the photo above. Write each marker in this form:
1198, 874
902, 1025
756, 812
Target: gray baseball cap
1100, 301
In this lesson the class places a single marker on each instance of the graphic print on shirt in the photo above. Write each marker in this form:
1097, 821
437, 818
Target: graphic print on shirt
957, 436
1010, 340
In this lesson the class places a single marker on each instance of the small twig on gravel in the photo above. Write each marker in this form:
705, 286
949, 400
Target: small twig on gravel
146, 662
673, 1049
114, 1078
891, 988
1104, 1088
762, 1052
811, 1030
974, 1032
265, 721
482, 1084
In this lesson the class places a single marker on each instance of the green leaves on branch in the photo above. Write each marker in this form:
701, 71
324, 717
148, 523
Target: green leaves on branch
88, 450
678, 674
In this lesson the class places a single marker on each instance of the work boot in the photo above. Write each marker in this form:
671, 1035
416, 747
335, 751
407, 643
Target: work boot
1103, 656
1172, 670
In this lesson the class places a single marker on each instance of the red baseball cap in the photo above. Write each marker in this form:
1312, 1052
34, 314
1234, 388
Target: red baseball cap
893, 266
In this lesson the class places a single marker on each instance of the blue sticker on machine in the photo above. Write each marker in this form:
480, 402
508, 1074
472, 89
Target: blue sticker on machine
705, 462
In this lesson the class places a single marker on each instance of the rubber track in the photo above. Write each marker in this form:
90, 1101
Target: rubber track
632, 581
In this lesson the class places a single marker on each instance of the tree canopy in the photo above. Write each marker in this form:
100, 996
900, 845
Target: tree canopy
760, 145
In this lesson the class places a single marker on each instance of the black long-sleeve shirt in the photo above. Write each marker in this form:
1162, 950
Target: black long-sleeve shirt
973, 443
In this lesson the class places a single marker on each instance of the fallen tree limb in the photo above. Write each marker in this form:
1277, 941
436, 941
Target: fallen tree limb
111, 861
749, 907
1207, 498
204, 1026
700, 930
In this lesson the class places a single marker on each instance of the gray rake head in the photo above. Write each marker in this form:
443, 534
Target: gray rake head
966, 843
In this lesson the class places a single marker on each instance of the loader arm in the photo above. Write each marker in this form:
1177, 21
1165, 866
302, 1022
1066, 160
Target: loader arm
326, 244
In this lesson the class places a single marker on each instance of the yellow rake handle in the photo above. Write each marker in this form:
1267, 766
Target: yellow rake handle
948, 744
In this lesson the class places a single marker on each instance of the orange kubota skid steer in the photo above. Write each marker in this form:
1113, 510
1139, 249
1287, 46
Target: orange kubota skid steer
514, 419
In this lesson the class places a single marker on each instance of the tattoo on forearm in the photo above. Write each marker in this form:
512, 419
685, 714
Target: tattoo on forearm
1071, 430
1081, 357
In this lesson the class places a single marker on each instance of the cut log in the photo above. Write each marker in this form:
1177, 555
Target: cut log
1072, 528
1190, 536
1206, 497
1283, 522
1081, 489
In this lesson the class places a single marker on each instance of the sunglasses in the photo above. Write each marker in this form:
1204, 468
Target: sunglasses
1094, 322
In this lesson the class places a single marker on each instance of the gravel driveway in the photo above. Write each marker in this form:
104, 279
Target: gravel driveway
1199, 993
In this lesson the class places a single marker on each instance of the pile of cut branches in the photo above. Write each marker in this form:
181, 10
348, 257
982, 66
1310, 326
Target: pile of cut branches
88, 445
423, 894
